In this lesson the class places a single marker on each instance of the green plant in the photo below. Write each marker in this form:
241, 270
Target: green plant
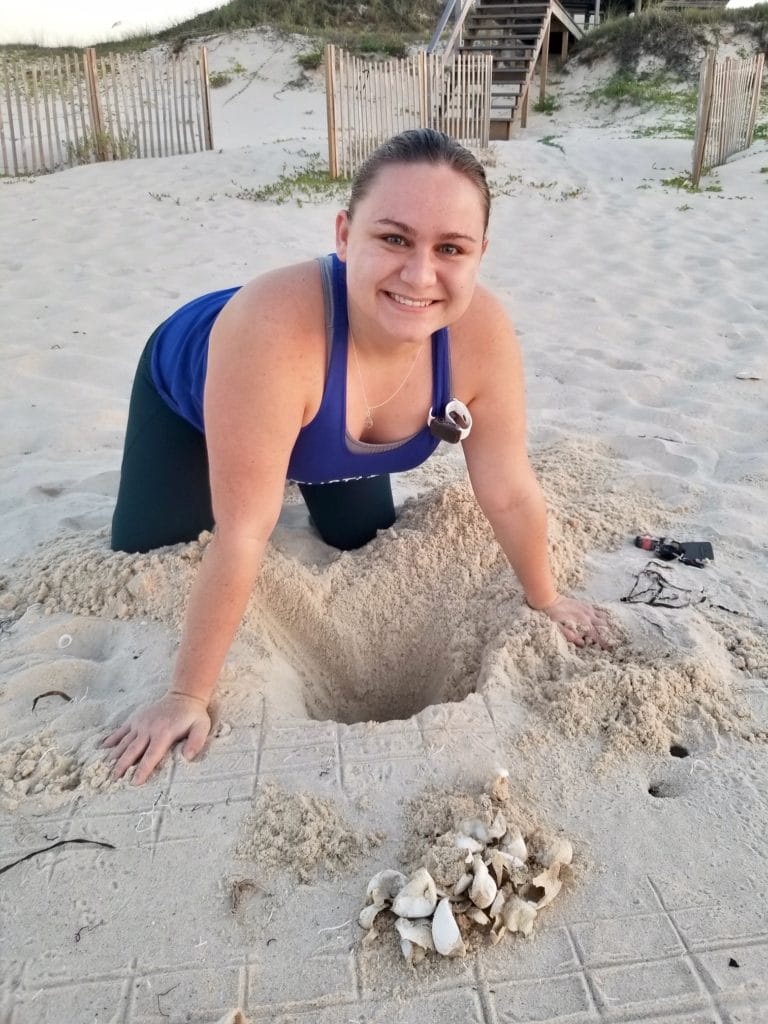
309, 184
665, 130
312, 59
546, 105
684, 182
684, 207
101, 145
644, 90
549, 140
217, 79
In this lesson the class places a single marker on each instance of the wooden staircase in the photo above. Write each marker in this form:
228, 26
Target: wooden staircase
518, 34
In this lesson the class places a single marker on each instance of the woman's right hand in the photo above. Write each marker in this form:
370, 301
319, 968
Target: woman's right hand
150, 733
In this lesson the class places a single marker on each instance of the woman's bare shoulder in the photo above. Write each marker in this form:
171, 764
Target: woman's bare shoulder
286, 302
485, 328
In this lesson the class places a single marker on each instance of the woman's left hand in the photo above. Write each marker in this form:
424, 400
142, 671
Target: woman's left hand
579, 622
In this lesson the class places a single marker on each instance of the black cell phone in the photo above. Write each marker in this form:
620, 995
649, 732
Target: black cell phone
696, 552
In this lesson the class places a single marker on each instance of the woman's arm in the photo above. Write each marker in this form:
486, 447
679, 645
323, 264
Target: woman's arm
261, 375
501, 475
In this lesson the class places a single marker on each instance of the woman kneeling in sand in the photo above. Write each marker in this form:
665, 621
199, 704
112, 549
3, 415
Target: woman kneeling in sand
332, 373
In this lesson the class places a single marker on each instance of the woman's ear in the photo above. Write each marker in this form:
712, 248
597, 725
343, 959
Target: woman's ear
342, 234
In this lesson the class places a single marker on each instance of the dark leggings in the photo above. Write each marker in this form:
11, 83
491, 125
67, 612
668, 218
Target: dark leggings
165, 493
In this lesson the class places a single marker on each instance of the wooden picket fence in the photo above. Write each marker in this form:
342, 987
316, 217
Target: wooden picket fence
729, 96
78, 108
369, 101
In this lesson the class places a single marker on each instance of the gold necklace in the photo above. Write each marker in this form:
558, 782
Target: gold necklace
369, 408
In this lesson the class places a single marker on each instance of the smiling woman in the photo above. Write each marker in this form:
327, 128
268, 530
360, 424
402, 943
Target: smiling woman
51, 23
244, 388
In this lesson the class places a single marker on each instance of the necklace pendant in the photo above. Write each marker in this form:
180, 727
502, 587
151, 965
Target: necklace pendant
369, 420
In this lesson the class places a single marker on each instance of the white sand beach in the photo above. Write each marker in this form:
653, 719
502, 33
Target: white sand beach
379, 679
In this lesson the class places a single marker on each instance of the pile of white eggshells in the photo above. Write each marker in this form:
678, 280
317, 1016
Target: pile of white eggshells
484, 875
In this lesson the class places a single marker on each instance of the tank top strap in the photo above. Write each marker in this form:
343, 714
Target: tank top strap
441, 371
336, 383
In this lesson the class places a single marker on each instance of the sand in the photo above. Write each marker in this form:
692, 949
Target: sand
361, 684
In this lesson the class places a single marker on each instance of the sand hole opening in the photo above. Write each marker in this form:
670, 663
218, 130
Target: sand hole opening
664, 790
378, 690
350, 678
677, 751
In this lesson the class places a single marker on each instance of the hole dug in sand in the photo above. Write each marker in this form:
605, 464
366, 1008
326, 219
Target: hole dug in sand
367, 677
382, 633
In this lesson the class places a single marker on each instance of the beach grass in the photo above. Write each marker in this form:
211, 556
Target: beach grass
310, 183
674, 37
386, 27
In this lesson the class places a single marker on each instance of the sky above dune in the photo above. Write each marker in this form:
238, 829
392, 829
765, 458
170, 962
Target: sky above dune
53, 23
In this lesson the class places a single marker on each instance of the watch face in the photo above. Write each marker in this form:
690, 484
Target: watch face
445, 430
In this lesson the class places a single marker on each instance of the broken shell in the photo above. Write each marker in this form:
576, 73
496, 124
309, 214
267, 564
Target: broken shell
417, 954
370, 937
478, 916
550, 882
445, 932
462, 885
384, 886
518, 916
497, 934
466, 842
503, 863
483, 889
419, 933
406, 947
475, 828
514, 844
559, 852
498, 826
497, 904
548, 850
368, 915
418, 898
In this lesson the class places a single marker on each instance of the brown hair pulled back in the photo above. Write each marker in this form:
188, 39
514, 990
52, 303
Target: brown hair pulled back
422, 146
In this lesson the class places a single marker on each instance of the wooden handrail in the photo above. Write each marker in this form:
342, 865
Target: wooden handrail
459, 9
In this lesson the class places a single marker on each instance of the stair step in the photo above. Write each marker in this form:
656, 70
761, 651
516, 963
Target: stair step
504, 77
488, 22
504, 31
493, 47
508, 8
523, 11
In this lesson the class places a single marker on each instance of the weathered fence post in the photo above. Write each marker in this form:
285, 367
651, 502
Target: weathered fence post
205, 88
330, 100
703, 114
94, 103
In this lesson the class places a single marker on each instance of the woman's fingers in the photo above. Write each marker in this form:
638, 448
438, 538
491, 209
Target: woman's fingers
130, 756
153, 755
196, 739
115, 737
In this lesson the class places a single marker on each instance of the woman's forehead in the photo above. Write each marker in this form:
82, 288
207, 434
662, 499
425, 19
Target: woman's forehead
422, 191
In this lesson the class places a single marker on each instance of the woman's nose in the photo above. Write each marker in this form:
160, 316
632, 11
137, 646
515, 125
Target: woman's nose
418, 270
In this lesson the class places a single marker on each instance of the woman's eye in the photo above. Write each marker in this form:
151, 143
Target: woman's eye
450, 250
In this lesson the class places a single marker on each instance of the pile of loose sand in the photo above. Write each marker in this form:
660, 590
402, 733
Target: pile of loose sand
301, 834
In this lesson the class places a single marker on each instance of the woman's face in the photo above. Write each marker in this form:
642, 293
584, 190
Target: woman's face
412, 249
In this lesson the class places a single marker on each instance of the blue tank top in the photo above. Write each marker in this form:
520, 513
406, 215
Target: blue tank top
324, 452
